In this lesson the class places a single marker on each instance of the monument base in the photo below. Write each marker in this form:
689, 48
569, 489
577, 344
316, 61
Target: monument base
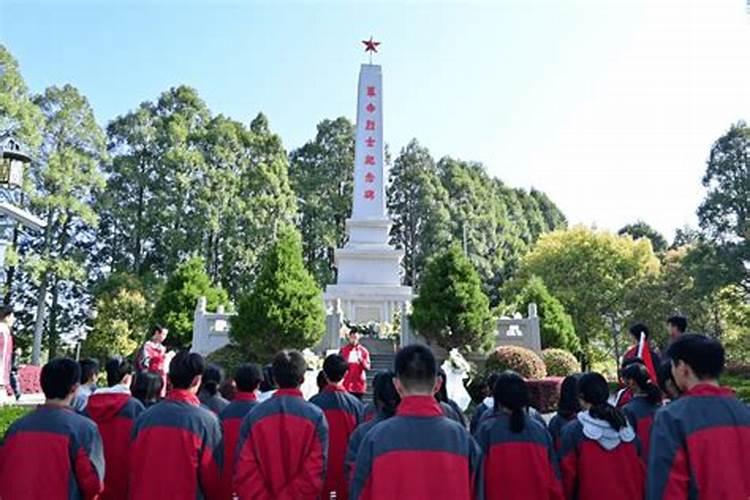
366, 303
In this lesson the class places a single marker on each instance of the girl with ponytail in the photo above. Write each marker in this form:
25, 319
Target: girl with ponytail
519, 458
646, 400
209, 396
599, 450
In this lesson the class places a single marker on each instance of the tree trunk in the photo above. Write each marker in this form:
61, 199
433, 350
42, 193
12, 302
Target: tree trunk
41, 303
11, 274
54, 335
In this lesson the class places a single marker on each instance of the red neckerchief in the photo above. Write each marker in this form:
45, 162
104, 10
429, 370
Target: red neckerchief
184, 396
709, 390
288, 392
245, 396
419, 406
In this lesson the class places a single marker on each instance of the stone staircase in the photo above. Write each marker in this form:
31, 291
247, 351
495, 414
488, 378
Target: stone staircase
382, 354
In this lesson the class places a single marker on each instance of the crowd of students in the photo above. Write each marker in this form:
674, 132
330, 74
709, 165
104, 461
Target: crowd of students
411, 444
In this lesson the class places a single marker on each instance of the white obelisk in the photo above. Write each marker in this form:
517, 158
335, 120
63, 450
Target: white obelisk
368, 280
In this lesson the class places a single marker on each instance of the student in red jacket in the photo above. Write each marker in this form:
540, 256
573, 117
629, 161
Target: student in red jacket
53, 453
114, 411
247, 378
641, 409
567, 408
599, 451
281, 454
518, 456
701, 442
343, 413
418, 453
359, 362
176, 449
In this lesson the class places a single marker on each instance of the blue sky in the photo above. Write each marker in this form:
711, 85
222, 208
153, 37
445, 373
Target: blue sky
608, 106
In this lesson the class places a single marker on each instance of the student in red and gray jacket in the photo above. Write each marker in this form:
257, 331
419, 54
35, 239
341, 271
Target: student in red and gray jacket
599, 451
114, 411
518, 456
567, 408
247, 378
700, 442
447, 456
281, 454
176, 449
53, 452
343, 413
642, 407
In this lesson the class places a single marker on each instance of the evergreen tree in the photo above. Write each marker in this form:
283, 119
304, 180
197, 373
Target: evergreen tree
556, 326
642, 230
19, 116
284, 309
451, 309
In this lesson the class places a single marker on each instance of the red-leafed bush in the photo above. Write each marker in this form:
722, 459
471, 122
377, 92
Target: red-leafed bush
523, 361
560, 363
545, 393
28, 377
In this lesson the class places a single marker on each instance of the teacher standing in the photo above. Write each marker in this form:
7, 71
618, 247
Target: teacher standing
355, 380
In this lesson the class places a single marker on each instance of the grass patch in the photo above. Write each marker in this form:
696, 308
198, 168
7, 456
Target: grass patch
740, 383
9, 414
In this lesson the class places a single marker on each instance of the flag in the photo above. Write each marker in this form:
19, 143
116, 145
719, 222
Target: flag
645, 354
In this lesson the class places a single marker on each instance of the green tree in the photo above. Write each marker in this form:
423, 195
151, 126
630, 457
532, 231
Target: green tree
556, 326
417, 203
284, 309
641, 230
19, 116
724, 214
176, 306
590, 273
65, 178
321, 172
451, 308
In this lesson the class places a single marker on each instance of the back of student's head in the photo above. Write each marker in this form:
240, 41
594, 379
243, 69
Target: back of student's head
146, 387
491, 381
512, 394
638, 373
335, 368
117, 369
416, 369
89, 369
384, 393
288, 369
593, 389
268, 384
442, 393
248, 377
321, 381
666, 381
59, 378
184, 368
704, 355
637, 329
569, 404
213, 376
679, 322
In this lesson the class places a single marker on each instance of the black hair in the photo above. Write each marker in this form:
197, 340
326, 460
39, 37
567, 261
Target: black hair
321, 381
491, 381
213, 376
117, 368
704, 355
679, 322
146, 387
594, 390
89, 369
335, 367
248, 377
155, 329
511, 392
384, 393
416, 367
664, 376
637, 329
569, 404
5, 311
630, 361
288, 369
442, 394
59, 377
639, 374
268, 384
183, 369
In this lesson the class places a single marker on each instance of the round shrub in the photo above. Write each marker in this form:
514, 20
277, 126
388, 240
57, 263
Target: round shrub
230, 357
524, 361
560, 363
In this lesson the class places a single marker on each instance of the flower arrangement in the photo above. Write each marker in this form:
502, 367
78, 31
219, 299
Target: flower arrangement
314, 362
456, 362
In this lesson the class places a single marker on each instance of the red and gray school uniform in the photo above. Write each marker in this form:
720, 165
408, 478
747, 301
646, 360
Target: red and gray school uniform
597, 462
485, 405
369, 412
356, 440
51, 453
281, 453
231, 418
556, 424
114, 411
640, 413
701, 447
517, 466
417, 454
343, 413
176, 450
490, 412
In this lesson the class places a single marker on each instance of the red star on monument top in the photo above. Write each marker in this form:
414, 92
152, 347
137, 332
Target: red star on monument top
371, 45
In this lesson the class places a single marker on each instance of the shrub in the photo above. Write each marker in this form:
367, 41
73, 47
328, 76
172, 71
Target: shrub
28, 378
9, 414
560, 363
544, 394
230, 357
524, 361
556, 326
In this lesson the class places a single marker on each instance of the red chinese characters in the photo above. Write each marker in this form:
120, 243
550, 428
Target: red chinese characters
370, 125
369, 194
371, 92
370, 107
369, 177
369, 160
370, 142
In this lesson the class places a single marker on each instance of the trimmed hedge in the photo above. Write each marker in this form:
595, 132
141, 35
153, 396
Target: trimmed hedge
9, 414
545, 393
524, 361
560, 363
